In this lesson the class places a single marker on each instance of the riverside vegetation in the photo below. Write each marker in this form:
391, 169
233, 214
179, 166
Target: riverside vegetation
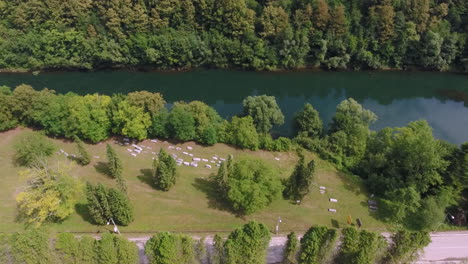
247, 34
392, 162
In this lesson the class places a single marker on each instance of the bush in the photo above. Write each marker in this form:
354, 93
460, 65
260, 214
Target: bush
406, 246
361, 247
32, 147
290, 250
316, 244
167, 248
247, 244
31, 247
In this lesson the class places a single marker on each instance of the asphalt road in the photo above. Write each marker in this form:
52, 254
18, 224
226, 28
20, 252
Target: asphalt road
445, 248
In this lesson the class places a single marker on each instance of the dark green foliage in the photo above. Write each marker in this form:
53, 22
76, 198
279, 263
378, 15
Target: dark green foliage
349, 131
403, 166
98, 205
164, 171
316, 244
217, 256
83, 157
360, 247
104, 203
115, 168
264, 111
307, 122
247, 244
31, 148
68, 248
120, 207
248, 185
298, 184
31, 247
7, 118
167, 248
182, 124
290, 250
406, 245
241, 132
261, 35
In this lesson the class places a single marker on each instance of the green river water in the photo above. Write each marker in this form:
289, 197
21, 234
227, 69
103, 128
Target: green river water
396, 97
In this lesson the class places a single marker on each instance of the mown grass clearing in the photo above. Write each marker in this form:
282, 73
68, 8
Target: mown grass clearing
189, 206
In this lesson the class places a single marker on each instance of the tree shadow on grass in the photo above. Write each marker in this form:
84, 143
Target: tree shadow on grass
335, 223
147, 177
82, 210
102, 168
352, 183
215, 201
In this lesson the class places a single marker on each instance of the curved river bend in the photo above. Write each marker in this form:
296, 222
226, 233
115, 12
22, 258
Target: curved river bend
396, 97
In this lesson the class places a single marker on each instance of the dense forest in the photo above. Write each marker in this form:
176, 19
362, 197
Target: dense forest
246, 34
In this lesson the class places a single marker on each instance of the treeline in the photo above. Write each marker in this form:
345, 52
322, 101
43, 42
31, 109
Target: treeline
247, 34
140, 115
246, 244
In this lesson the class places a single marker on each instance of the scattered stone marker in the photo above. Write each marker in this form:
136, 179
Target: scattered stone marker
332, 210
333, 200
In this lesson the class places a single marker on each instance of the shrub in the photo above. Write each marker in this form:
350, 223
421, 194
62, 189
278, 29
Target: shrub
290, 250
316, 244
31, 247
362, 247
167, 248
406, 246
31, 147
247, 244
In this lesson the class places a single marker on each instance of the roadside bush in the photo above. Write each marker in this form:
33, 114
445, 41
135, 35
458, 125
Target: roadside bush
361, 247
31, 147
31, 247
167, 248
112, 249
316, 244
406, 245
290, 250
247, 244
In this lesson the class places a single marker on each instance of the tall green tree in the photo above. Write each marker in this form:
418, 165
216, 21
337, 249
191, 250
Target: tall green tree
264, 111
115, 167
164, 171
308, 122
298, 184
84, 157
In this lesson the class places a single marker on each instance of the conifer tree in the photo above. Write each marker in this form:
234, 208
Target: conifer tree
164, 171
98, 206
120, 207
115, 168
84, 158
298, 184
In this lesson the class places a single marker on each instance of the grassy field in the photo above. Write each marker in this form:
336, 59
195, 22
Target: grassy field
190, 205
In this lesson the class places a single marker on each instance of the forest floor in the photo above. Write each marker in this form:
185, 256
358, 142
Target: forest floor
190, 206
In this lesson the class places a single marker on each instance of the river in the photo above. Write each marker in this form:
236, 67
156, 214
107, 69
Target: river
396, 97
